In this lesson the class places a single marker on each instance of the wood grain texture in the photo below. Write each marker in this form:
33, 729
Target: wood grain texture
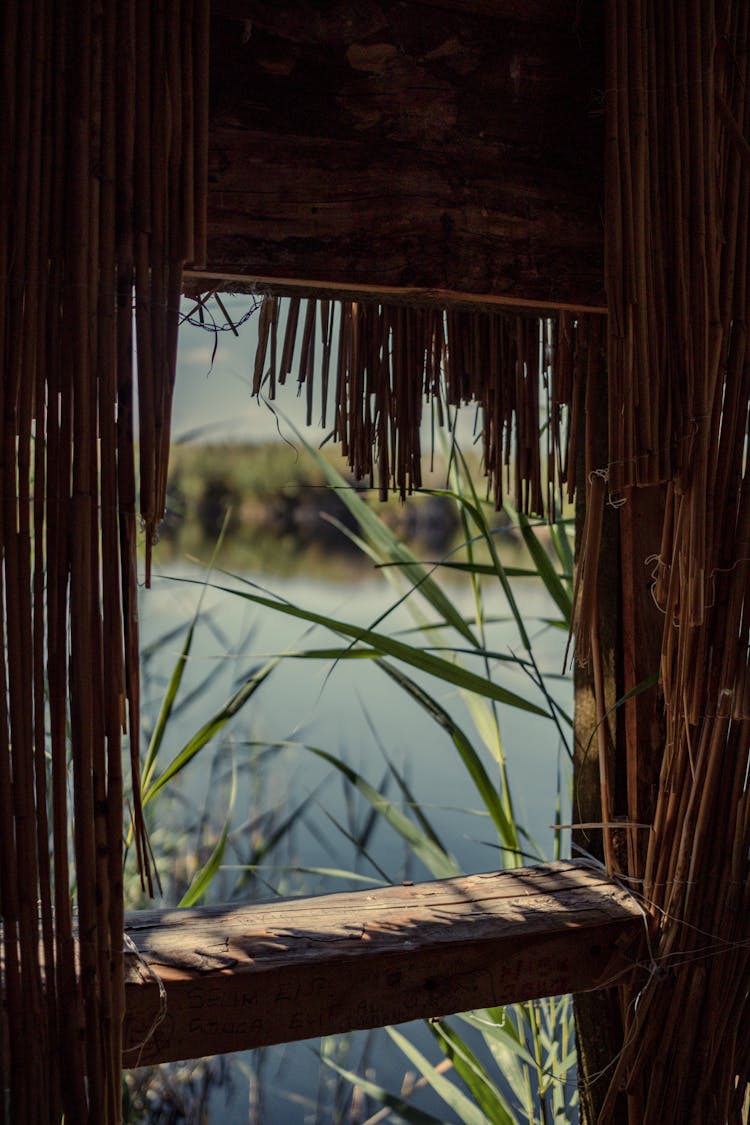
242, 977
408, 144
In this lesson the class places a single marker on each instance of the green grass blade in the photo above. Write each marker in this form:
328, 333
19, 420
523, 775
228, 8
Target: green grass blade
207, 874
387, 646
564, 550
429, 627
484, 715
423, 584
260, 851
358, 846
325, 872
556, 623
350, 653
366, 829
473, 507
403, 784
334, 654
210, 729
484, 1091
389, 547
439, 863
467, 1110
173, 687
405, 1112
469, 757
553, 584
416, 807
501, 1032
165, 711
514, 1062
482, 569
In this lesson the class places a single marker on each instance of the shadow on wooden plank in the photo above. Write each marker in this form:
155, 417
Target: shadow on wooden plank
237, 977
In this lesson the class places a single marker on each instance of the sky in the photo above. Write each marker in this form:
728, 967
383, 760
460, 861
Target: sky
213, 401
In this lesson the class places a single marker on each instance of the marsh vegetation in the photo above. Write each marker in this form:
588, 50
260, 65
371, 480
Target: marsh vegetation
430, 734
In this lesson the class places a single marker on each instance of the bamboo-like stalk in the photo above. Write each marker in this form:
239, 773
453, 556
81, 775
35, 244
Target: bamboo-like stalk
85, 702
157, 260
75, 181
18, 560
44, 32
681, 341
59, 456
17, 1016
187, 131
201, 36
326, 326
142, 222
264, 325
391, 356
112, 642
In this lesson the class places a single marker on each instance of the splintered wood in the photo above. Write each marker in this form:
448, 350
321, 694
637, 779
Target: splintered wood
241, 977
102, 196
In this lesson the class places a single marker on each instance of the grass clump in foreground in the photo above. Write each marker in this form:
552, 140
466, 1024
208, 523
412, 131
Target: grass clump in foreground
505, 1065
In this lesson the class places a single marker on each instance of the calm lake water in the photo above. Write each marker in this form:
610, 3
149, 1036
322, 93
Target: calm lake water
353, 710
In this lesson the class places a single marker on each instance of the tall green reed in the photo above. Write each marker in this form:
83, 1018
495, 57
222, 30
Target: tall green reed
531, 1045
514, 1064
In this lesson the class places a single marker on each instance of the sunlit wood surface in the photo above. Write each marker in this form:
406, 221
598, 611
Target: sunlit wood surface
237, 977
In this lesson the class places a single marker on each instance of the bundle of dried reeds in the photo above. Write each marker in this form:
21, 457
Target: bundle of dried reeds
678, 277
102, 188
392, 357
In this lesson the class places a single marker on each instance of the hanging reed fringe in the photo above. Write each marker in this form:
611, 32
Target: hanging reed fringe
678, 268
391, 359
102, 194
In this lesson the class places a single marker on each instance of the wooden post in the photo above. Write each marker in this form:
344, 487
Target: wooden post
630, 645
641, 518
597, 1014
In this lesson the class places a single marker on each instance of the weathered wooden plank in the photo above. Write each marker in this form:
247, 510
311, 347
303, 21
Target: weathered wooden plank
409, 144
241, 977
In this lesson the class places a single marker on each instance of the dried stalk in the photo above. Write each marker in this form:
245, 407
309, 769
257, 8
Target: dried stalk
90, 152
678, 266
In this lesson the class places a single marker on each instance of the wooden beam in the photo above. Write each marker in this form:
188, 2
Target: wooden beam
248, 976
201, 281
416, 144
293, 14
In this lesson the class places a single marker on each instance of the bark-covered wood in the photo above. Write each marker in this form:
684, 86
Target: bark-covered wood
241, 977
598, 1017
641, 517
409, 144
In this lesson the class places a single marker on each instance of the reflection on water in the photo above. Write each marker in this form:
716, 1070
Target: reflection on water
282, 518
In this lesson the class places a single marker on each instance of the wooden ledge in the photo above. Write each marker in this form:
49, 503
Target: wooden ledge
248, 976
